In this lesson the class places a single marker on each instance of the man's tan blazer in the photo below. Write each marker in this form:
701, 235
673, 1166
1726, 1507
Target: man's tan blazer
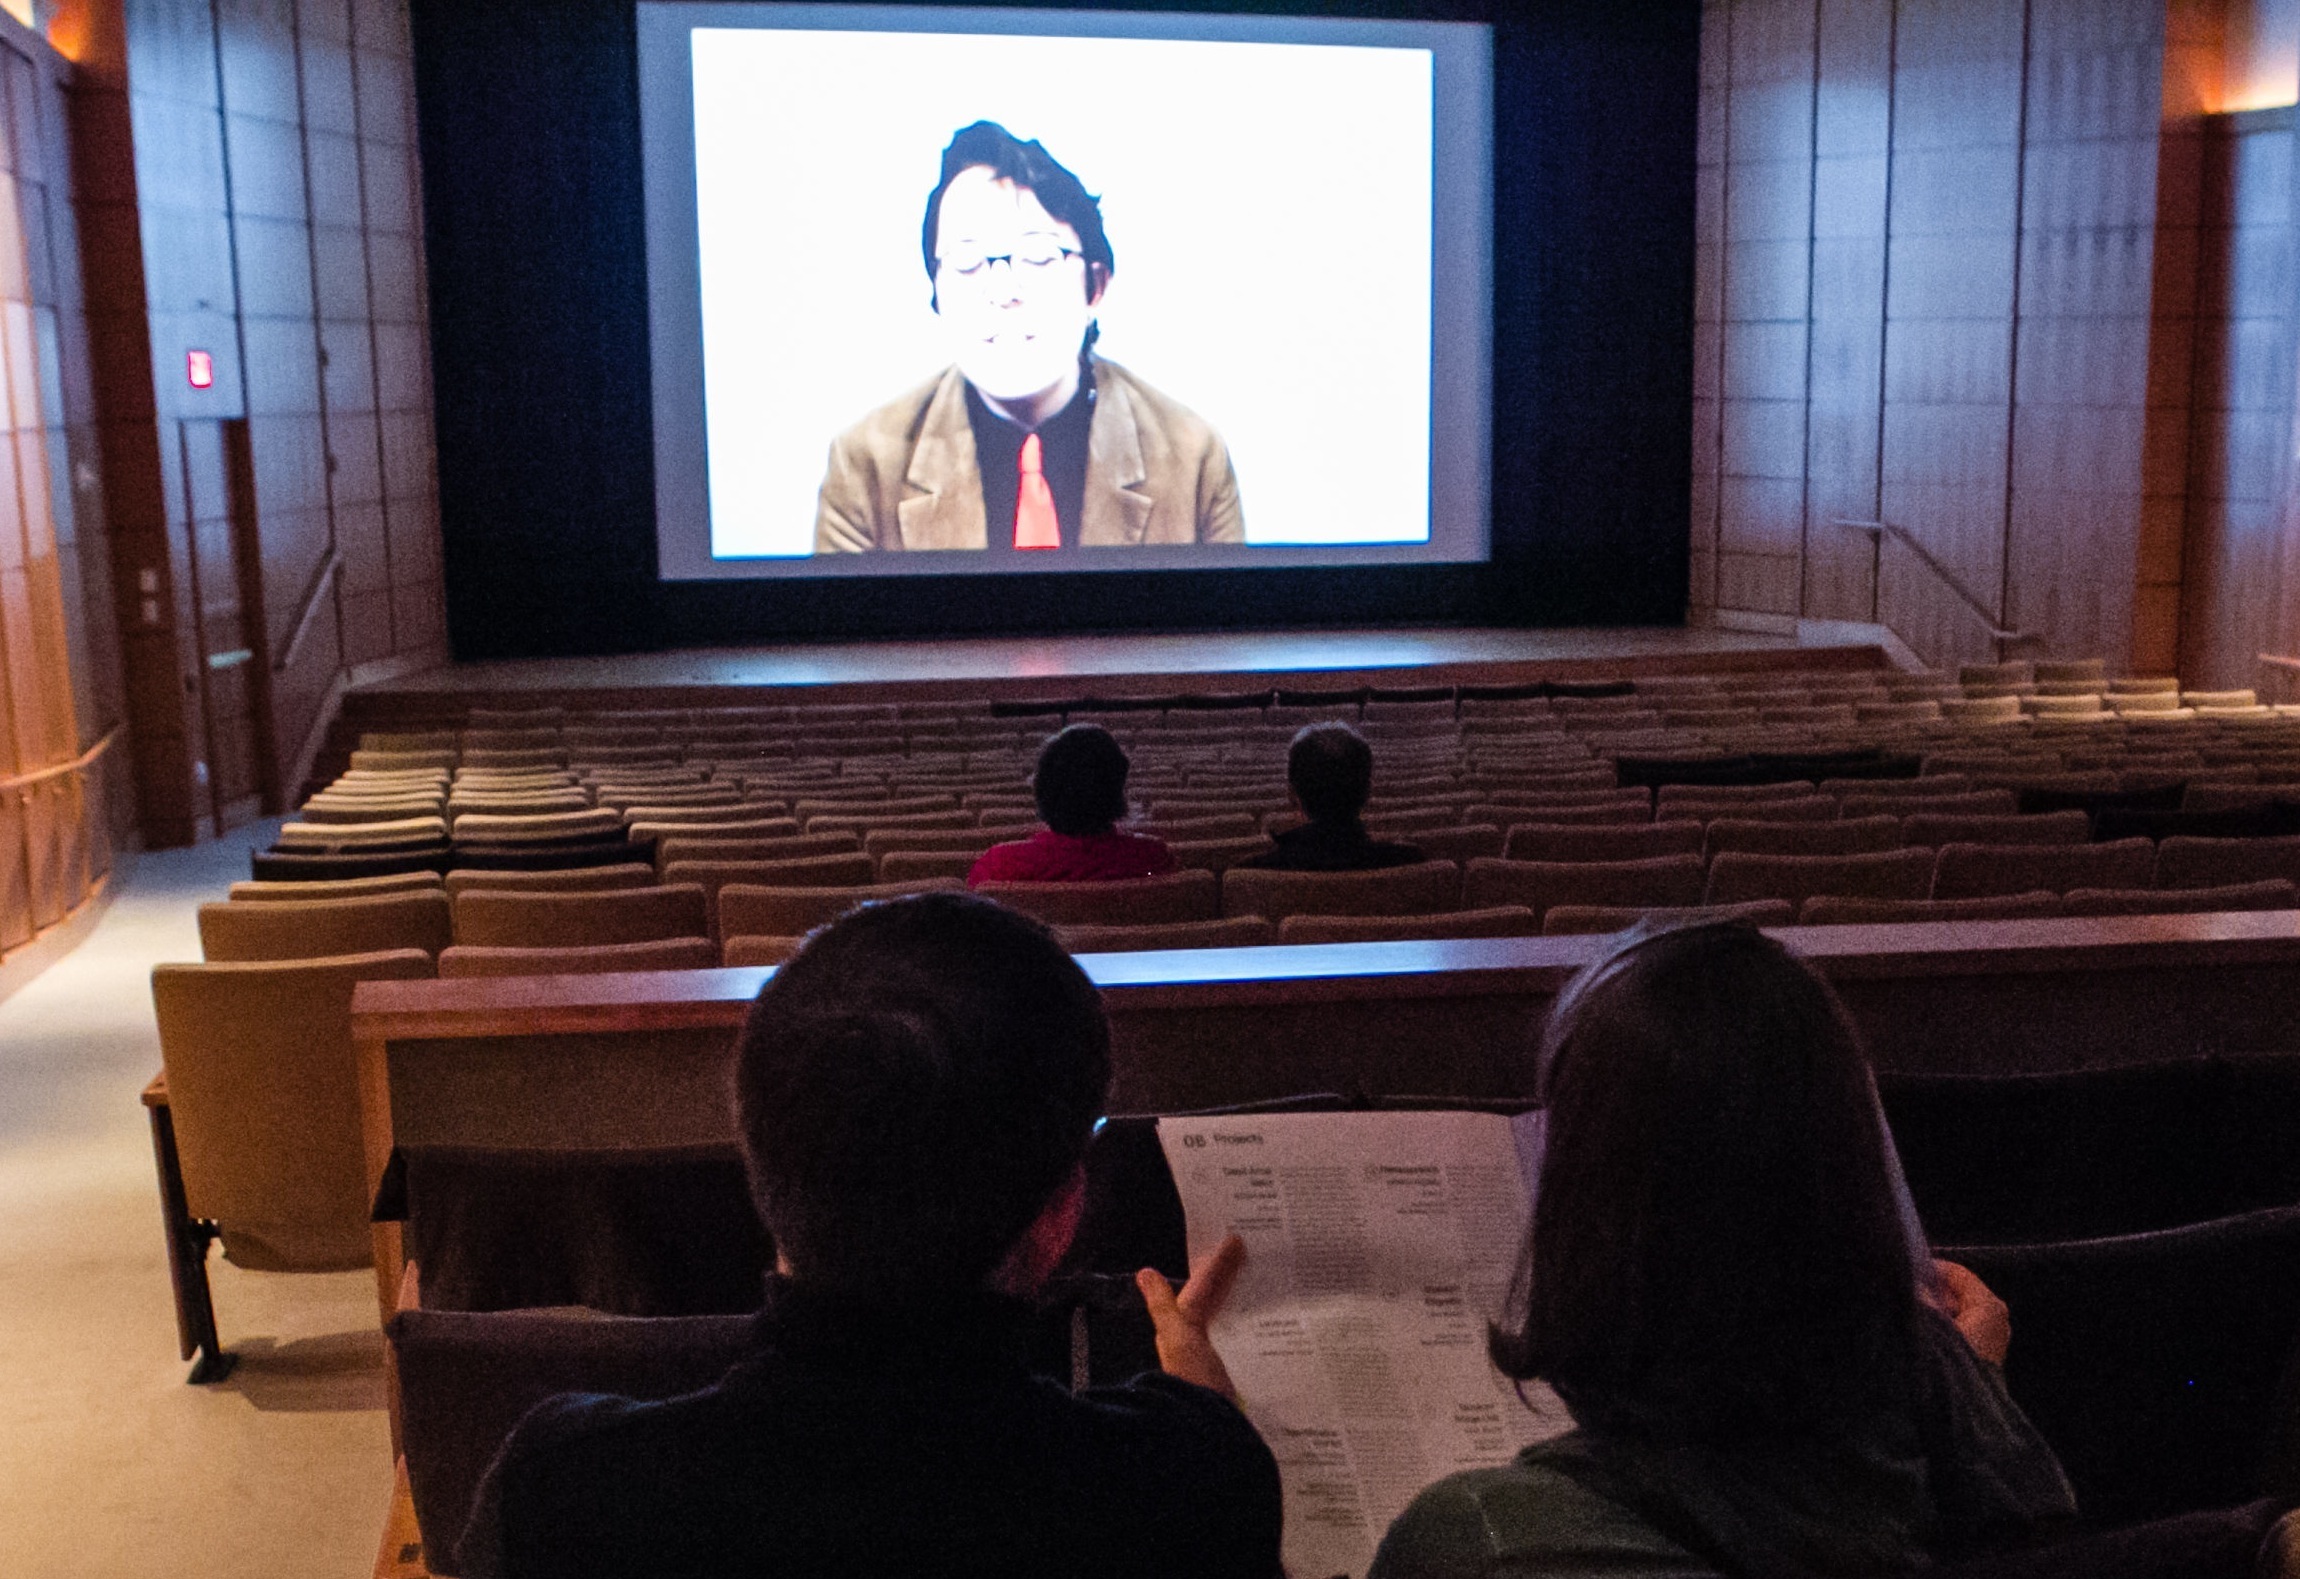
906, 476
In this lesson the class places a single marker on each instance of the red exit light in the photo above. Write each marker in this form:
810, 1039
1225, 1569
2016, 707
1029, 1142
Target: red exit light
200, 369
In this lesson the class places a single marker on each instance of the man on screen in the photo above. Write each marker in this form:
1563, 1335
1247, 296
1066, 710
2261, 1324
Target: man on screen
1029, 441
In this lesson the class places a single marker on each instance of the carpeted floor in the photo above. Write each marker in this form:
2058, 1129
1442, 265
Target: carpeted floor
111, 1464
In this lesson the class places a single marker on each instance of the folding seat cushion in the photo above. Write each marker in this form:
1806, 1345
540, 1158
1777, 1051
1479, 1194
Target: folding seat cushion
1760, 836
1391, 891
1862, 802
315, 928
2218, 863
748, 909
580, 880
2275, 893
1666, 880
1190, 895
1495, 921
1548, 841
264, 1098
1227, 932
1936, 829
1975, 871
509, 918
1833, 910
656, 954
422, 882
1886, 874
1571, 920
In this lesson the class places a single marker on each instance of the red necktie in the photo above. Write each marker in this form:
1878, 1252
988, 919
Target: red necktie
1034, 522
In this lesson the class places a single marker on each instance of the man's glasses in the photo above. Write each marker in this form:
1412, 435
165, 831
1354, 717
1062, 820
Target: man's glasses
1031, 255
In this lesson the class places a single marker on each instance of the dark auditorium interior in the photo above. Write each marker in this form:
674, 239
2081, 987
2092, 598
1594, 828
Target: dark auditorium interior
1888, 537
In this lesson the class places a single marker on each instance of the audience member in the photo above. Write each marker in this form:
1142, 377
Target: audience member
915, 1091
1081, 789
1724, 1281
1330, 772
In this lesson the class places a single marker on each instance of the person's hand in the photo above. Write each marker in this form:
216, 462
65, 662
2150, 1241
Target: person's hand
1181, 1320
1979, 1314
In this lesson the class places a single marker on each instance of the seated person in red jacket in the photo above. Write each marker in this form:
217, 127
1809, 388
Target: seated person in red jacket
1081, 790
1330, 771
914, 1092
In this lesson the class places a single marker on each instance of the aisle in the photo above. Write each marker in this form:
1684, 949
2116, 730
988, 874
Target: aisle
109, 1464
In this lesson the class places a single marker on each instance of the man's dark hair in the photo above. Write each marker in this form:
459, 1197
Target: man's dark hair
1081, 781
1331, 771
913, 1087
1029, 166
1717, 1253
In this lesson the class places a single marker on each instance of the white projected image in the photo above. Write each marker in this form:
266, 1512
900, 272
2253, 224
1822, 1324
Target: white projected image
1252, 293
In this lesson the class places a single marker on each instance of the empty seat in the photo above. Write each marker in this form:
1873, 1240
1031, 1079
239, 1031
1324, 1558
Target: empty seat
1831, 910
1976, 871
422, 882
1604, 813
759, 950
2052, 827
678, 844
1495, 921
2184, 862
508, 918
1391, 891
1571, 920
1176, 896
850, 870
1458, 844
1666, 880
1963, 803
748, 909
905, 865
2275, 893
1548, 841
1885, 874
1803, 808
1217, 855
466, 960
580, 880
330, 838
1227, 932
1980, 709
1856, 836
1668, 794
313, 928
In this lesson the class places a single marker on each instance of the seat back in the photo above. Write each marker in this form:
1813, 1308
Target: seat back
750, 909
422, 882
680, 843
511, 918
1859, 836
1640, 841
847, 869
468, 960
1228, 932
1495, 921
1665, 880
2275, 893
313, 928
1836, 910
1568, 920
264, 1097
1140, 901
1864, 802
1421, 889
579, 880
900, 866
2052, 827
758, 950
1975, 871
1886, 874
2184, 862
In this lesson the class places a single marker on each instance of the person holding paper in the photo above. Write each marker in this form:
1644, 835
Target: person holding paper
915, 1091
1724, 1281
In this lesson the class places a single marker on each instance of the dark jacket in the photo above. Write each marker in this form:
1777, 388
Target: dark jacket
859, 1441
1332, 847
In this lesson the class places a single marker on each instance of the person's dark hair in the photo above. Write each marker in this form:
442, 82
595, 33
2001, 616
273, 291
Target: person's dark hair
1029, 166
1717, 1252
1081, 781
913, 1087
1331, 771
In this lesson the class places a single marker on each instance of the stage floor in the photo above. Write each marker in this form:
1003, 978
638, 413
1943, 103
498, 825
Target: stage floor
1043, 666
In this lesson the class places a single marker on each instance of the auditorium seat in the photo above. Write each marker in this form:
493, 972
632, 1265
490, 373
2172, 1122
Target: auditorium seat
1226, 932
1802, 808
1495, 921
324, 809
1211, 825
2275, 893
865, 822
256, 1123
758, 950
1191, 895
688, 844
238, 930
342, 838
1962, 803
908, 865
2052, 827
1570, 920
2217, 863
767, 815
1885, 874
579, 880
1616, 812
1836, 910
467, 960
1459, 844
1976, 871
1217, 855
511, 918
750, 909
422, 882
1548, 841
848, 870
1755, 835
1661, 881
1391, 891
1668, 794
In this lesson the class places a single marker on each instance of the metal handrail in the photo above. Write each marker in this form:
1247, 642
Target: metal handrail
1879, 530
58, 770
